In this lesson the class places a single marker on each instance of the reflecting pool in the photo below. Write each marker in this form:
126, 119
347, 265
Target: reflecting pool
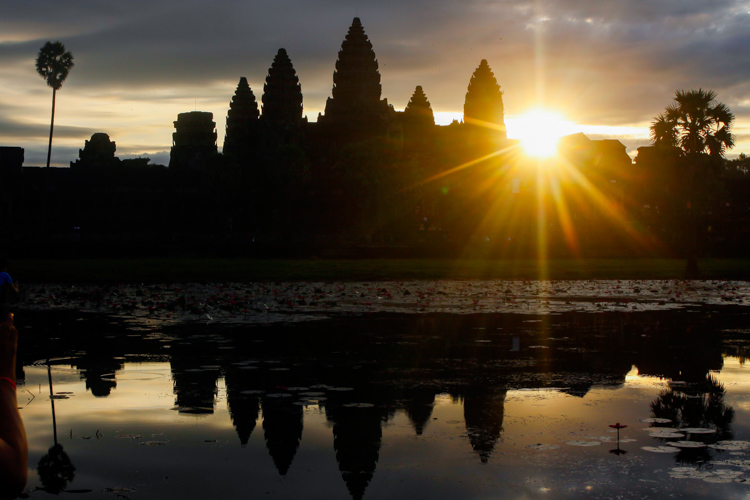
426, 404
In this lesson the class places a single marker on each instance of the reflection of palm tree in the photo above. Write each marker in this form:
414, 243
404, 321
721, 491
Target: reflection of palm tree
699, 404
696, 405
55, 470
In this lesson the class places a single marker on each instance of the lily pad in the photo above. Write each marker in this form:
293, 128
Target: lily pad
718, 479
661, 449
687, 444
666, 435
583, 443
543, 447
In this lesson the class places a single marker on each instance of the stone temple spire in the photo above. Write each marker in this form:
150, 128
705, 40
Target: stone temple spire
242, 123
282, 93
356, 81
419, 111
484, 99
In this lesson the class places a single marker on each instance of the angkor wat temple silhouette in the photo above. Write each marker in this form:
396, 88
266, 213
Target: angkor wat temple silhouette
363, 178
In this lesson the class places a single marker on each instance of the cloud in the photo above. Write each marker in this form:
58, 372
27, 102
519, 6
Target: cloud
609, 63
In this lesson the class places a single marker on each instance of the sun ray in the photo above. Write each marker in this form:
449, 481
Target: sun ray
565, 198
466, 165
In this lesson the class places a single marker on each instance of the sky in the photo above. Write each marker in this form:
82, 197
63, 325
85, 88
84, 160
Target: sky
608, 67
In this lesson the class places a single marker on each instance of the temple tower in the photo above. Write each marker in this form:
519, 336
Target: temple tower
194, 141
355, 101
97, 152
282, 93
419, 112
242, 124
484, 100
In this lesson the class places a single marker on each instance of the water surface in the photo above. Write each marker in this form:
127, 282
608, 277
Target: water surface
388, 404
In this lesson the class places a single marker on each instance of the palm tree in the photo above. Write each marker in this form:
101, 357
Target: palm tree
53, 64
701, 128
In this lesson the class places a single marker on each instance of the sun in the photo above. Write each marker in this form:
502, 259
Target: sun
539, 131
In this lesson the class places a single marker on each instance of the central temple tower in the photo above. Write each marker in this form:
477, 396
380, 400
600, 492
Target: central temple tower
355, 102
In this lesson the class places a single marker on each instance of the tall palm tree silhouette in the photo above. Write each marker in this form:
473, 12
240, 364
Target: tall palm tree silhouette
701, 127
53, 64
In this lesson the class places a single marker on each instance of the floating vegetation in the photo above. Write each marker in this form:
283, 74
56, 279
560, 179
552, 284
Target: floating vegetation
603, 439
687, 444
656, 420
583, 443
718, 476
731, 446
543, 447
285, 302
128, 436
661, 449
359, 405
698, 430
666, 435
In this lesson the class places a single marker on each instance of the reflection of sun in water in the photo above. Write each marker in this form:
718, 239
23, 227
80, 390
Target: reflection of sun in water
539, 131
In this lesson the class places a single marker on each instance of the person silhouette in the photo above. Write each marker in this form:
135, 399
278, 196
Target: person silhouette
8, 289
14, 453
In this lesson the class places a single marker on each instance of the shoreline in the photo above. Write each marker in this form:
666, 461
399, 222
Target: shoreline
246, 270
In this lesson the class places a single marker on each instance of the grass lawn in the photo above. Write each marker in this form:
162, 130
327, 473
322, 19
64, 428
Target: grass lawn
160, 270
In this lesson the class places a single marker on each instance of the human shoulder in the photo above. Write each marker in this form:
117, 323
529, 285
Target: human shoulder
5, 278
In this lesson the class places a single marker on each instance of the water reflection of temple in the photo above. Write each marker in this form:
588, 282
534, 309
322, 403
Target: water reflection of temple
195, 376
98, 370
282, 428
357, 437
418, 404
402, 367
243, 400
484, 410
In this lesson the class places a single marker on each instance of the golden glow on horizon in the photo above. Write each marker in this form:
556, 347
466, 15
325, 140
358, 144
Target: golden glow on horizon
538, 201
539, 131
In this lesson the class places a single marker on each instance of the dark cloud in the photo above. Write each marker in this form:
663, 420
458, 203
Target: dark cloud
13, 129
